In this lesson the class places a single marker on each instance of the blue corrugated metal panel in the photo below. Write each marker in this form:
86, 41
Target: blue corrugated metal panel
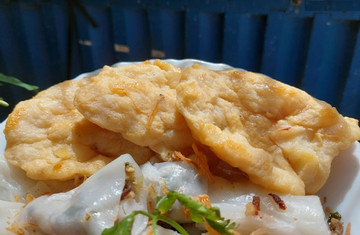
167, 29
204, 29
10, 50
214, 6
166, 4
258, 6
14, 58
286, 46
131, 33
11, 58
331, 49
55, 19
204, 35
350, 104
35, 47
243, 40
96, 42
74, 63
332, 5
129, 3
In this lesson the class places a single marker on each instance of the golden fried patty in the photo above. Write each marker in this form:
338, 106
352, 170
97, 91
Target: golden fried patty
49, 139
283, 138
138, 101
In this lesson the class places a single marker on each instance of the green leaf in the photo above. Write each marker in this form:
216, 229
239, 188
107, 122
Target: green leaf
211, 215
216, 211
173, 223
165, 203
192, 205
196, 217
198, 213
123, 227
154, 225
3, 102
221, 226
17, 82
335, 215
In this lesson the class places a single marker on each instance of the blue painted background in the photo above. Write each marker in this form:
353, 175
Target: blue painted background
314, 45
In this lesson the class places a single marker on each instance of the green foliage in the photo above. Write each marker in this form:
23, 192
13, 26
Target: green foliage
198, 213
16, 82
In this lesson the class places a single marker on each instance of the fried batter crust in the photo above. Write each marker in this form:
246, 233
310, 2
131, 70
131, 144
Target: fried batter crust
138, 101
283, 138
50, 140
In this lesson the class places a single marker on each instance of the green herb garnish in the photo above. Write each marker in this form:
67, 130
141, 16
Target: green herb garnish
335, 215
14, 81
17, 82
3, 102
198, 214
334, 222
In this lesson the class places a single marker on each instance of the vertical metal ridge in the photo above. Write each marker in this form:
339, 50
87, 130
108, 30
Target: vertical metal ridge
96, 42
131, 32
286, 45
243, 40
167, 32
329, 57
204, 35
350, 100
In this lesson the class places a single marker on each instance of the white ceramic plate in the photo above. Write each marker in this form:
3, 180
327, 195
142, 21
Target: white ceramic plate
342, 190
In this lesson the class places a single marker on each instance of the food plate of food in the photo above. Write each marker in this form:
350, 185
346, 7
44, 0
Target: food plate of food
198, 147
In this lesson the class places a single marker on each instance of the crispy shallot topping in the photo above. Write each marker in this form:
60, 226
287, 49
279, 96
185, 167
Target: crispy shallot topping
17, 198
336, 226
203, 199
253, 208
15, 228
154, 111
127, 193
150, 206
256, 203
348, 229
130, 181
29, 198
179, 156
278, 201
151, 232
200, 162
87, 217
164, 188
250, 210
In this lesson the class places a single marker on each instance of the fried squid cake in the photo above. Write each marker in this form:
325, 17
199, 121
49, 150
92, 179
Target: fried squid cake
284, 139
50, 140
138, 101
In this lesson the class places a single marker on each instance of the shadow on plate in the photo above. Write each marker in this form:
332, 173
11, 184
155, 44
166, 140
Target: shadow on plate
344, 170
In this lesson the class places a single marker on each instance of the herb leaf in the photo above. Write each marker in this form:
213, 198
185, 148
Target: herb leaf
198, 214
14, 81
123, 227
174, 224
3, 102
221, 226
335, 215
165, 203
